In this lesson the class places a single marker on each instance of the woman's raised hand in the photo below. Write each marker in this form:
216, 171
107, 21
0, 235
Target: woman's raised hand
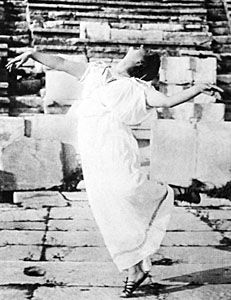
18, 61
209, 88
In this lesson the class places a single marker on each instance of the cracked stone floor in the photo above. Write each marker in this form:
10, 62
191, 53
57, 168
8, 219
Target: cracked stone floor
56, 233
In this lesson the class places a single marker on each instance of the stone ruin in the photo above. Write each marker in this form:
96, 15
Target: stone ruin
194, 40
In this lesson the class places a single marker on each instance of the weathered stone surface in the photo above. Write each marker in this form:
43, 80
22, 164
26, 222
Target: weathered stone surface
205, 292
171, 89
181, 70
162, 26
75, 196
73, 239
182, 220
206, 238
136, 35
173, 146
196, 273
95, 31
214, 152
15, 252
183, 112
204, 99
79, 212
20, 214
207, 201
56, 94
205, 70
49, 126
72, 225
221, 225
210, 112
31, 164
20, 237
11, 129
87, 293
23, 225
78, 254
69, 273
194, 255
61, 88
175, 70
215, 214
9, 293
39, 199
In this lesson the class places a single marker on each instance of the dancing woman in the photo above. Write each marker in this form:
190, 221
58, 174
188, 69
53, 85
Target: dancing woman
132, 213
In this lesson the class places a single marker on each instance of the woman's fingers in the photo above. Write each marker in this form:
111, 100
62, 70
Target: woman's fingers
216, 88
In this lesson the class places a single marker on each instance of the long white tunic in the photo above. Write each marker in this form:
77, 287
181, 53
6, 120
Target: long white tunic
131, 212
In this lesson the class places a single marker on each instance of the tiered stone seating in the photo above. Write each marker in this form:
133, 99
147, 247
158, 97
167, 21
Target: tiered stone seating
57, 24
4, 100
219, 17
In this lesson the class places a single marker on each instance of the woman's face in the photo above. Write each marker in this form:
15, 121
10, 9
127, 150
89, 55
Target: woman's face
138, 65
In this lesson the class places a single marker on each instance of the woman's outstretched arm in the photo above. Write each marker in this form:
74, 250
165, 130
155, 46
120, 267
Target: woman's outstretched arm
52, 61
156, 99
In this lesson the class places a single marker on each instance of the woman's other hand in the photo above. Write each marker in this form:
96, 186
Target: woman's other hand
209, 88
18, 61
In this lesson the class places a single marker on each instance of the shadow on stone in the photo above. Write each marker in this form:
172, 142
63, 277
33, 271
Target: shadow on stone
186, 282
7, 186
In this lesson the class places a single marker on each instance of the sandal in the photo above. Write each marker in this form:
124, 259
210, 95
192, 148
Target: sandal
190, 195
131, 286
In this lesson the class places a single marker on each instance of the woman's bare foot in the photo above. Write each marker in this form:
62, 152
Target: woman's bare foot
135, 273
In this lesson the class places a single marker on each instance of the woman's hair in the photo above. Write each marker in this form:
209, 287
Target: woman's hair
148, 68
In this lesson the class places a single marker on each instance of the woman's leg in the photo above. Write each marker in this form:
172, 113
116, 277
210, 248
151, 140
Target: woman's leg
135, 272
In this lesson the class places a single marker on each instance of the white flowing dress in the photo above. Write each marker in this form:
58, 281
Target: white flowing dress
132, 213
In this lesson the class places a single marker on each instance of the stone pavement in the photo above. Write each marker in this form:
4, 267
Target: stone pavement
57, 232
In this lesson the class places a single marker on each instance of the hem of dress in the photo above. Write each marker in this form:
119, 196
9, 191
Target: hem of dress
151, 244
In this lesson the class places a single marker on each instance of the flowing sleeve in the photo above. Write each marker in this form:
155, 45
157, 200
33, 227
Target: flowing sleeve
127, 100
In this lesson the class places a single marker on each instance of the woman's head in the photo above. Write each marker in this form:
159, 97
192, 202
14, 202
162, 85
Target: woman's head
141, 63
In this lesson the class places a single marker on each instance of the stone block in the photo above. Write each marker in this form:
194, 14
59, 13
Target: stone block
214, 152
208, 238
125, 35
72, 293
182, 220
69, 273
176, 70
173, 152
78, 254
205, 70
162, 26
23, 252
193, 255
183, 112
23, 215
60, 128
171, 89
73, 239
72, 225
80, 212
39, 199
31, 164
95, 31
75, 196
211, 112
21, 237
204, 99
56, 127
61, 88
11, 130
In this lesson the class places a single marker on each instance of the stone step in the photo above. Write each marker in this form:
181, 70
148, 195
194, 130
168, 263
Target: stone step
122, 17
117, 4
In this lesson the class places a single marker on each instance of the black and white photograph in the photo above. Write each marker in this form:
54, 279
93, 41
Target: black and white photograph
115, 149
